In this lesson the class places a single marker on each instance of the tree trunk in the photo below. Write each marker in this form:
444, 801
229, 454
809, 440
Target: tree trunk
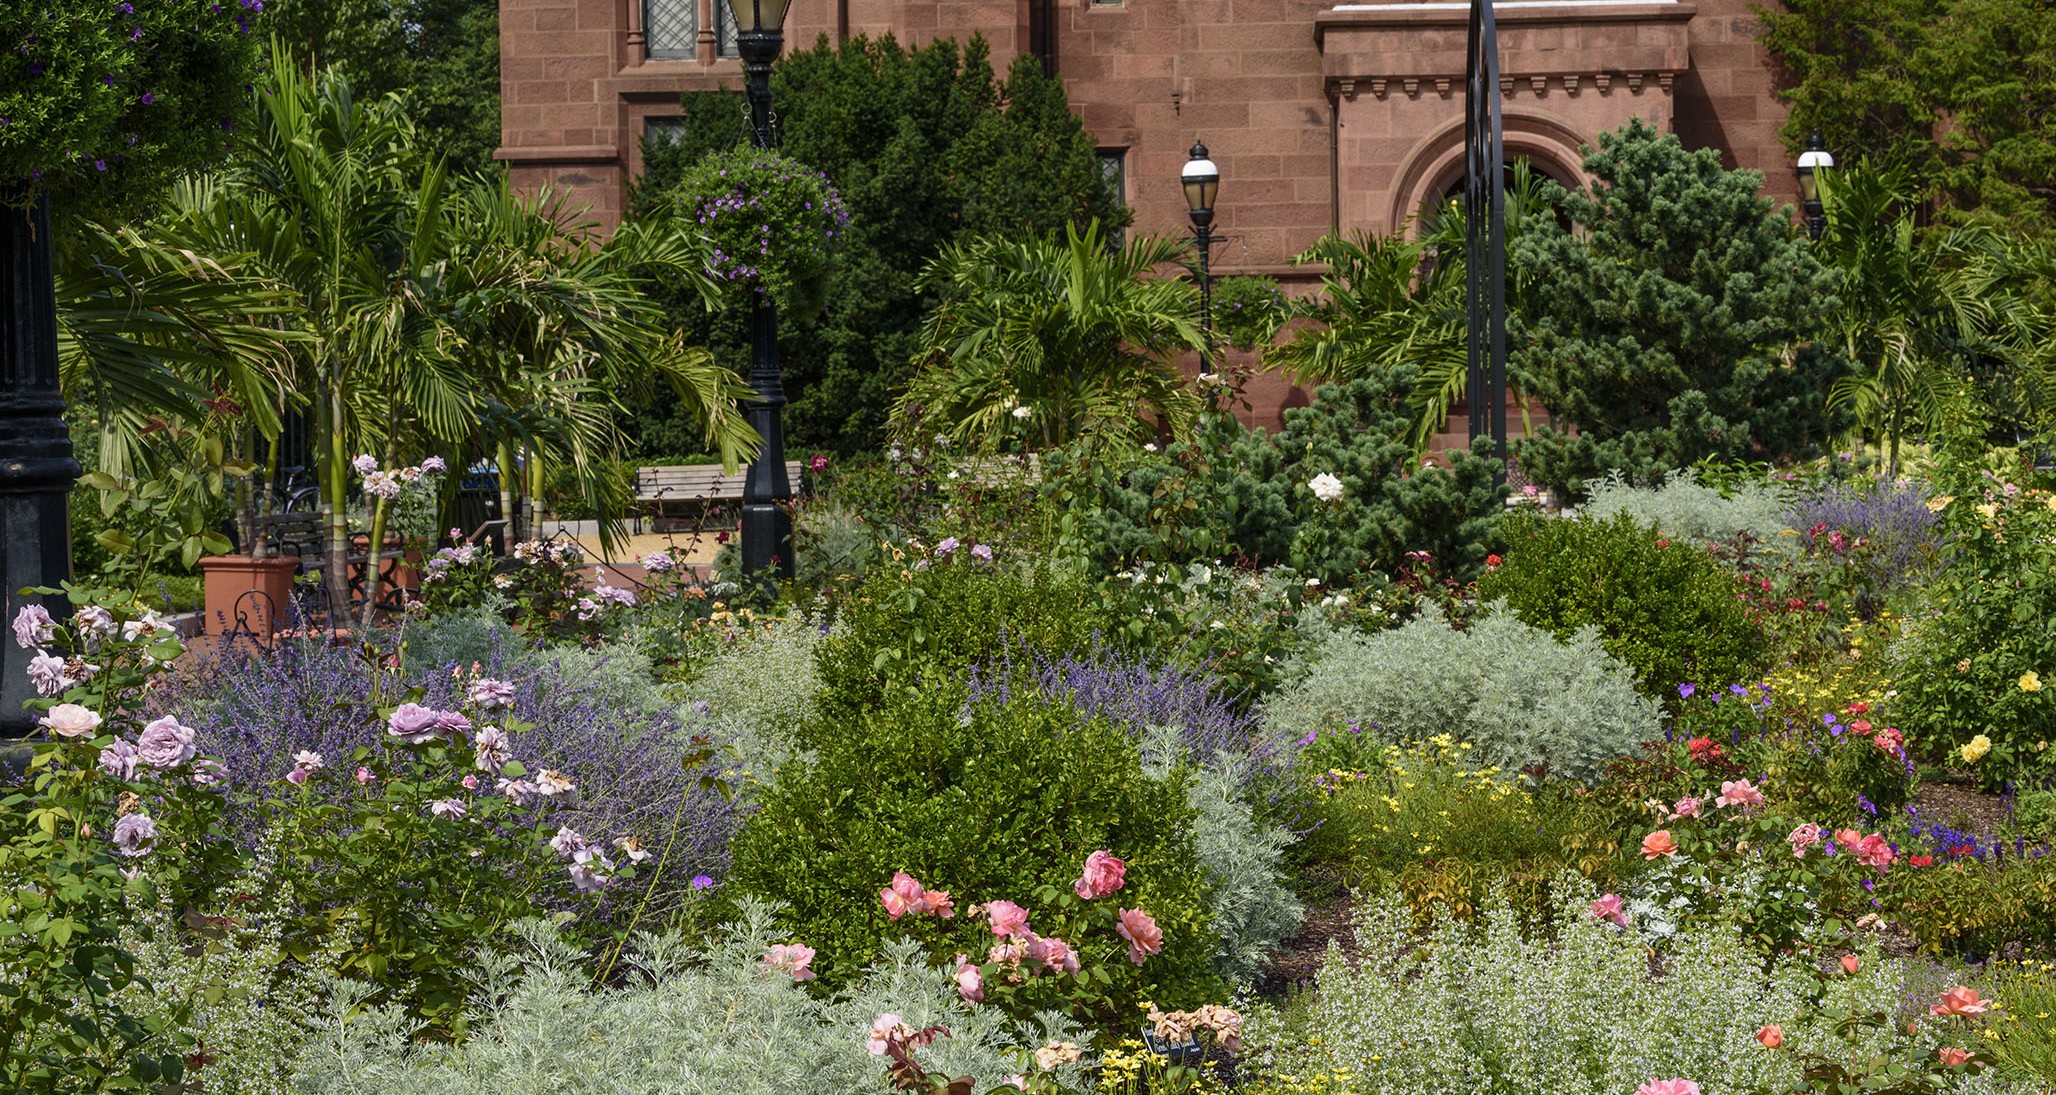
335, 486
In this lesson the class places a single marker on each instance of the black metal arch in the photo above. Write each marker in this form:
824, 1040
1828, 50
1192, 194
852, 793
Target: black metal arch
1485, 232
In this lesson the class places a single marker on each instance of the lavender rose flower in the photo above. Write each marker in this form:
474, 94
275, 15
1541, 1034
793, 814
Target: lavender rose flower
34, 628
434, 466
657, 562
46, 671
451, 808
414, 724
135, 835
69, 720
492, 694
119, 760
365, 464
95, 624
381, 485
165, 743
454, 724
490, 749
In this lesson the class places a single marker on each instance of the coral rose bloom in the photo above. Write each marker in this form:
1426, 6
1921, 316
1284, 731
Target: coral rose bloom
1771, 1036
1668, 1087
1141, 932
1851, 963
1658, 844
1952, 1057
1874, 851
1961, 1000
1103, 875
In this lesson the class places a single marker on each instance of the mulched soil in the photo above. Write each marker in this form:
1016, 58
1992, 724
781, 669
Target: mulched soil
1961, 807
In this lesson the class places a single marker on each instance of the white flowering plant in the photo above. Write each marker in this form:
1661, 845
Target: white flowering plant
112, 807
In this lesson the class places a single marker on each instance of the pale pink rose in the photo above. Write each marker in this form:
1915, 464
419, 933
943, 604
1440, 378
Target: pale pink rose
364, 775
470, 782
492, 694
1802, 838
1952, 1057
309, 759
1142, 934
1961, 1000
1608, 908
1658, 844
791, 959
297, 777
71, 720
1687, 807
970, 981
1007, 954
1009, 921
1771, 1036
1740, 792
165, 743
414, 724
1875, 851
451, 808
1016, 1080
1103, 875
884, 1030
1668, 1087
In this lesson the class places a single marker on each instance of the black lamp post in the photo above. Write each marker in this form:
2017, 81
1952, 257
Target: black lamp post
1484, 203
1202, 181
766, 491
36, 465
1815, 159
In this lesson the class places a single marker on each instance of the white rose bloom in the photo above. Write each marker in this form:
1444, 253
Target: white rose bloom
1326, 487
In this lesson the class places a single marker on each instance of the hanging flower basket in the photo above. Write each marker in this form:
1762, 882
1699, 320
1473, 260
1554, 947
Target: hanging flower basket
772, 225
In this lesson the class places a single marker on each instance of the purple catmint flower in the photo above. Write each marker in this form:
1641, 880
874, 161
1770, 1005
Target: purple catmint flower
134, 835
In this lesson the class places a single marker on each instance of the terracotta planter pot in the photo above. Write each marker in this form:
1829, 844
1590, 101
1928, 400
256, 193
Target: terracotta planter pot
247, 594
406, 575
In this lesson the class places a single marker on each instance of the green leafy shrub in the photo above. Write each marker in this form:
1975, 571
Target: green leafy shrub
987, 801
691, 1023
1974, 663
919, 624
1249, 310
1666, 609
1524, 700
1683, 508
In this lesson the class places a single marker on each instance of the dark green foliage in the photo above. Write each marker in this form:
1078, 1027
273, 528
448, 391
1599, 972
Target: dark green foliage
1252, 503
914, 628
1669, 323
1957, 91
101, 108
442, 56
924, 145
987, 803
1667, 609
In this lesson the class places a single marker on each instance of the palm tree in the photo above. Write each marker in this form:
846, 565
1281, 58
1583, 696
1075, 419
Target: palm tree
429, 316
1387, 301
1055, 339
1916, 308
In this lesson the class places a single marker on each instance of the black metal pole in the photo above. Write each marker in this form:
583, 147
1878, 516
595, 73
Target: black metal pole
767, 490
1203, 234
1485, 232
36, 465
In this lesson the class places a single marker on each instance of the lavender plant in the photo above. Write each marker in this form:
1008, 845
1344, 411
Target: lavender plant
1891, 515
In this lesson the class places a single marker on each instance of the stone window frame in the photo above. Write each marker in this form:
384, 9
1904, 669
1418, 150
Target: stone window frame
711, 31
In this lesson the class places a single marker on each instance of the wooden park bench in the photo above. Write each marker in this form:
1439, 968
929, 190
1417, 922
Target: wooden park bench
703, 485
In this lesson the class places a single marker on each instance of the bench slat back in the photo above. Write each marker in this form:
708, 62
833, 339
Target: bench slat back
696, 482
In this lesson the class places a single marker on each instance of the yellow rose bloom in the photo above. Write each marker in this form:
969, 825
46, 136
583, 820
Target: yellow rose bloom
2029, 682
1939, 503
1975, 750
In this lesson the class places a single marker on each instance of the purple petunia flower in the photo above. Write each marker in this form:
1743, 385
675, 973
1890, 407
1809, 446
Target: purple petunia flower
1685, 691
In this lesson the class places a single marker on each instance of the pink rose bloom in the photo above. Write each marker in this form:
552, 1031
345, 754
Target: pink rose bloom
1739, 792
70, 720
1608, 908
297, 777
165, 743
1851, 963
970, 982
1848, 838
490, 750
1103, 875
1009, 921
1668, 1087
791, 959
903, 896
469, 781
207, 773
567, 842
1952, 1057
46, 672
939, 903
414, 724
1874, 851
1890, 740
1142, 934
1016, 1080
591, 870
1802, 838
363, 775
1055, 954
884, 1030
1687, 807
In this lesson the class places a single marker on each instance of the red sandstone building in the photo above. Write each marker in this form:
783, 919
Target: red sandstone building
1321, 116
